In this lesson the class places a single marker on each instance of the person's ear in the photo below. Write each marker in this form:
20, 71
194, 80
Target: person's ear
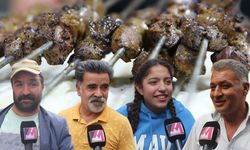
139, 89
246, 87
78, 88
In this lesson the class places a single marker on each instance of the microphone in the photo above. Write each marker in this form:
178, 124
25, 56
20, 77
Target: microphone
175, 131
209, 136
28, 132
96, 136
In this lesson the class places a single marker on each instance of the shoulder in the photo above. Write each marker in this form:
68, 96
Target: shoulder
67, 113
200, 122
123, 110
117, 118
204, 118
54, 118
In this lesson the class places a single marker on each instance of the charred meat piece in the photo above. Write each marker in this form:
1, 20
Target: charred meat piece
227, 5
21, 42
8, 25
47, 23
102, 31
87, 49
77, 17
229, 24
184, 62
142, 57
164, 25
193, 34
231, 52
126, 37
51, 29
64, 29
217, 39
63, 45
138, 24
238, 39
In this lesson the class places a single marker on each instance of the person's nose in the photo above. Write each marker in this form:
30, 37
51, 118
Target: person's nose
162, 86
217, 92
26, 90
98, 92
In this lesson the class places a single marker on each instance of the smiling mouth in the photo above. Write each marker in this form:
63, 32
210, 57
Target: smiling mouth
161, 97
219, 103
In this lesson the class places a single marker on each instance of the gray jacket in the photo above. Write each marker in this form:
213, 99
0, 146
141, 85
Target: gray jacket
53, 130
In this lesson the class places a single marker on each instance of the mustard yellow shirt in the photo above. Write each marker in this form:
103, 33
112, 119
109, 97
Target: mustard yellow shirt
119, 134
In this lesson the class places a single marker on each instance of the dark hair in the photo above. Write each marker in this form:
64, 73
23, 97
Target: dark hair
134, 107
94, 66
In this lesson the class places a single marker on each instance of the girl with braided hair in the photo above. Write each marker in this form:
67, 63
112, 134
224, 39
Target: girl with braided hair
153, 104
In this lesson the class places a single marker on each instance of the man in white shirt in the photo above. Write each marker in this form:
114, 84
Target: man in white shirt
229, 87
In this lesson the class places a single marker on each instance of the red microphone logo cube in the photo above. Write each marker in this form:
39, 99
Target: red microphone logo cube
30, 133
207, 133
97, 136
175, 129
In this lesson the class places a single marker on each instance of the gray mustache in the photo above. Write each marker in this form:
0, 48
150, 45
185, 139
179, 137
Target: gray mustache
97, 99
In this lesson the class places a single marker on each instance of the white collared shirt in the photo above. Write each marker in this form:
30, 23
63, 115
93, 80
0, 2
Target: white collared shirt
239, 141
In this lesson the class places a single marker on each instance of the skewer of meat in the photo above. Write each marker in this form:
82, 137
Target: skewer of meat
105, 35
63, 28
94, 46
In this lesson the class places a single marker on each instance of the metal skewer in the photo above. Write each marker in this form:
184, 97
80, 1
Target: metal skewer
154, 54
116, 56
6, 60
60, 77
32, 55
197, 70
39, 50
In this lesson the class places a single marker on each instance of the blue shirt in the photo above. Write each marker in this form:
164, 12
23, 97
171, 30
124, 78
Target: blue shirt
150, 134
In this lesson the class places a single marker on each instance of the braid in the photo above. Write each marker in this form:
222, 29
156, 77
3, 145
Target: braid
171, 107
133, 111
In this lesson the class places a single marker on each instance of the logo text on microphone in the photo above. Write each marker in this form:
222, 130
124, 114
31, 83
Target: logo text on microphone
207, 133
30, 133
175, 129
97, 136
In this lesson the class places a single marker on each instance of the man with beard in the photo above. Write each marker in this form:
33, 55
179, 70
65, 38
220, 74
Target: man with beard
93, 78
27, 84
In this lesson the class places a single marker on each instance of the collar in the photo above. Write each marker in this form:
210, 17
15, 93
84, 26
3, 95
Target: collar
152, 114
103, 117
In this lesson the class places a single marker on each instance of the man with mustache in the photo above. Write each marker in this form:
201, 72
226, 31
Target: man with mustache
93, 78
229, 87
27, 84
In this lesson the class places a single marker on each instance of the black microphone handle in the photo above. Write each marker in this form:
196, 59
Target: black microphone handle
28, 146
206, 147
98, 148
177, 145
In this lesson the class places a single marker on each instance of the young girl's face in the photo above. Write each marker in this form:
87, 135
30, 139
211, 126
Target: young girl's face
156, 88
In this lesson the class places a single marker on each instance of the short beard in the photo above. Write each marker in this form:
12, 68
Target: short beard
99, 107
35, 101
